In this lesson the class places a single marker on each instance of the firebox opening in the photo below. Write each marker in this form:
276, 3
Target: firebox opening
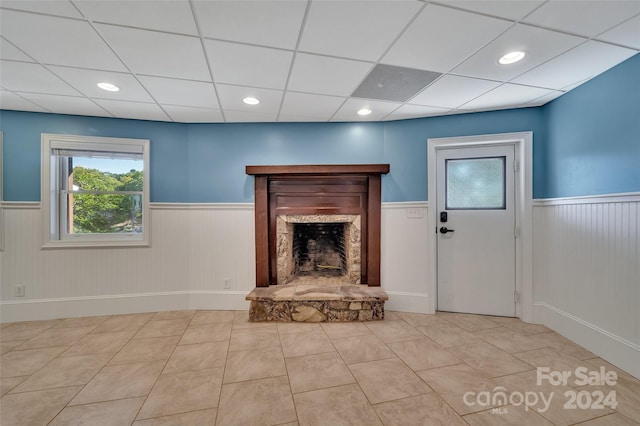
319, 250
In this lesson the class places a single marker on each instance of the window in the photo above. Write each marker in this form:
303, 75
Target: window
95, 191
475, 183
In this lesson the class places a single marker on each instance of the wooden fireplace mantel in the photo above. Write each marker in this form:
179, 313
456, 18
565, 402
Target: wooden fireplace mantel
317, 189
318, 169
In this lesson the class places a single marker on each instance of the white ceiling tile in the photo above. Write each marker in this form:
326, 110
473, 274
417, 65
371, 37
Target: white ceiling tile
355, 29
296, 118
415, 111
184, 114
66, 104
250, 47
546, 98
515, 10
267, 23
320, 107
451, 91
379, 110
58, 41
249, 117
58, 7
181, 92
627, 34
583, 18
156, 53
26, 77
326, 76
85, 81
10, 52
167, 15
434, 43
135, 110
231, 99
575, 65
9, 100
574, 85
540, 46
241, 64
505, 96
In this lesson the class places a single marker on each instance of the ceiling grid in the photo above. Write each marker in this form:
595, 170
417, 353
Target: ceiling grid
304, 60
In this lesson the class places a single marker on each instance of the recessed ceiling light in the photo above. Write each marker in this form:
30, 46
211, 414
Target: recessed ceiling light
511, 57
251, 101
108, 87
364, 111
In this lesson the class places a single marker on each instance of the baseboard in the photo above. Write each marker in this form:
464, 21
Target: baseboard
218, 300
408, 302
71, 307
613, 348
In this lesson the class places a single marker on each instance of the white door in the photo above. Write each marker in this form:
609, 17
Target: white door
475, 191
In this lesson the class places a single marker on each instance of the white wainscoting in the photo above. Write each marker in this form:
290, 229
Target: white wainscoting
404, 251
587, 273
586, 267
194, 249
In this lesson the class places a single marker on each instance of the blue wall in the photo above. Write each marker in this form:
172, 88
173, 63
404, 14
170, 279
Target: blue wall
218, 153
593, 136
585, 142
205, 163
405, 145
22, 150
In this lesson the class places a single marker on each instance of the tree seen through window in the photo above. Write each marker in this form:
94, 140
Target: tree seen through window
103, 201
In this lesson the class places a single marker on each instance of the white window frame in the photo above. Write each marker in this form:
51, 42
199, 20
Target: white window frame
51, 190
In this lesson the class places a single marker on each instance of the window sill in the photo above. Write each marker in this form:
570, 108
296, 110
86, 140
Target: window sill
94, 244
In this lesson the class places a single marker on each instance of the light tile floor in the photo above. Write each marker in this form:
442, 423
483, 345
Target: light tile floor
216, 368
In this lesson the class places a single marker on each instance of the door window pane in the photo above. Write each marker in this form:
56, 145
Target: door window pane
475, 183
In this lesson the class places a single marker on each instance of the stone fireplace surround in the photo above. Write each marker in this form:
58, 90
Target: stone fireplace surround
285, 251
285, 195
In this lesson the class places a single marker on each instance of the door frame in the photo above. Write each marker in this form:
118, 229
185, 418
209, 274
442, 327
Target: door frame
523, 143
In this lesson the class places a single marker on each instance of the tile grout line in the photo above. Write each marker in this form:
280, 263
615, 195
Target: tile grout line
146, 397
100, 369
445, 366
433, 390
224, 370
286, 369
280, 334
396, 357
416, 373
47, 363
97, 372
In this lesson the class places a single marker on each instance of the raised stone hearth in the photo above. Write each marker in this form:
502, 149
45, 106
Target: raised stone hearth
316, 303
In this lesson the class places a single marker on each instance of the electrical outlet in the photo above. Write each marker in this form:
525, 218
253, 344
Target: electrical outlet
227, 283
19, 290
415, 212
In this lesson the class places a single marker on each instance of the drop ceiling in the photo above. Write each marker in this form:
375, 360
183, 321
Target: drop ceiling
194, 61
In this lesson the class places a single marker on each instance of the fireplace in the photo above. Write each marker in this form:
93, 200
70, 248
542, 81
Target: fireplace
318, 224
318, 249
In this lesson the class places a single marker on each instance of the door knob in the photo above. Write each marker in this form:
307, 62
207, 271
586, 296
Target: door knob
444, 230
